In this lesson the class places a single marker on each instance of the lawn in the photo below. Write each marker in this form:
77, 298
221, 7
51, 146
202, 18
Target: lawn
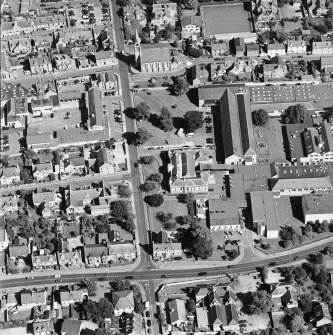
224, 19
169, 206
162, 98
218, 238
269, 141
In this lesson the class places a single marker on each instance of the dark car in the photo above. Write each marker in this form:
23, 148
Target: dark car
147, 314
148, 323
231, 266
296, 257
129, 277
202, 273
272, 264
164, 276
136, 165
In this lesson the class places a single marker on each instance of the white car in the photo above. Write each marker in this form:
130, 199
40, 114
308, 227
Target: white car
56, 276
240, 232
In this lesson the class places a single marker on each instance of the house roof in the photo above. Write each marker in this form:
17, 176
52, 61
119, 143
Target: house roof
10, 172
151, 53
45, 326
231, 314
123, 299
17, 251
43, 197
43, 167
95, 250
119, 248
218, 315
177, 310
202, 316
324, 130
71, 327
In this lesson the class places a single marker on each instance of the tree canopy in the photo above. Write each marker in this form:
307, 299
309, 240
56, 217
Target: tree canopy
148, 186
261, 302
120, 208
124, 191
180, 85
155, 200
193, 121
260, 117
294, 114
142, 136
165, 120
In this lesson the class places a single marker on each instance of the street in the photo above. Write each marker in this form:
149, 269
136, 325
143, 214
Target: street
133, 153
142, 273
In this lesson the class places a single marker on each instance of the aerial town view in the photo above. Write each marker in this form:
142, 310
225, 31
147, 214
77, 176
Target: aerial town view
166, 167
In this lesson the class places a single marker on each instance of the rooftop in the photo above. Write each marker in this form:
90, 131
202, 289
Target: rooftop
318, 203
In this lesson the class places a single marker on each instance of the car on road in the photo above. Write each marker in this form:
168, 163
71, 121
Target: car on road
149, 330
30, 278
240, 232
231, 266
129, 277
136, 165
202, 273
56, 276
296, 257
272, 264
147, 314
148, 322
164, 276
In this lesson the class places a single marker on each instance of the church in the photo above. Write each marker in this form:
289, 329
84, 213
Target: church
156, 57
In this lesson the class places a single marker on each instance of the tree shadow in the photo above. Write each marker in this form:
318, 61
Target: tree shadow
246, 299
163, 169
154, 119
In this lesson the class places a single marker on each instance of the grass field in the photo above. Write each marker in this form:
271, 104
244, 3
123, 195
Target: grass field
224, 19
163, 98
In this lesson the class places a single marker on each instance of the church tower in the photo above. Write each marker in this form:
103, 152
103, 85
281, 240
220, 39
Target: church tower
137, 49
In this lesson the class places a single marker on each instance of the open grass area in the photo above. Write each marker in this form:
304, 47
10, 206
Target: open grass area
169, 206
178, 106
223, 19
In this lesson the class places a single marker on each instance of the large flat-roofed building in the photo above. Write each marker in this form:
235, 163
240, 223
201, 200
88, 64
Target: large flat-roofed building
225, 22
264, 214
318, 207
225, 214
300, 186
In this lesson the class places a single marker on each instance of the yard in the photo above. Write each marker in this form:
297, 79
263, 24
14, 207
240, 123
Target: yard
269, 141
178, 106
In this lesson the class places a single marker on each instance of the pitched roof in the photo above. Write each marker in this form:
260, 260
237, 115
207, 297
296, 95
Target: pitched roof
177, 311
151, 53
318, 203
302, 183
218, 315
17, 251
123, 299
71, 327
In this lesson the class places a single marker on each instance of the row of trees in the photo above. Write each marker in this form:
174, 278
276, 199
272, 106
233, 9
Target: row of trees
121, 210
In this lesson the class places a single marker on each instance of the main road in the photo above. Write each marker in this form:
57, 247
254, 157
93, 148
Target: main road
160, 273
133, 153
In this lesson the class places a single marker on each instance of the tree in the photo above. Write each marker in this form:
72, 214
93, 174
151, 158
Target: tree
156, 177
97, 311
233, 254
90, 285
186, 198
148, 186
261, 302
120, 208
166, 219
155, 200
124, 191
187, 220
190, 306
260, 117
194, 52
147, 160
202, 247
143, 110
120, 285
193, 121
109, 143
305, 303
165, 120
294, 114
190, 4
180, 85
129, 224
142, 136
25, 176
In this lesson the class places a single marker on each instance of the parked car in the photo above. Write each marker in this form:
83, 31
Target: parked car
149, 323
147, 314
